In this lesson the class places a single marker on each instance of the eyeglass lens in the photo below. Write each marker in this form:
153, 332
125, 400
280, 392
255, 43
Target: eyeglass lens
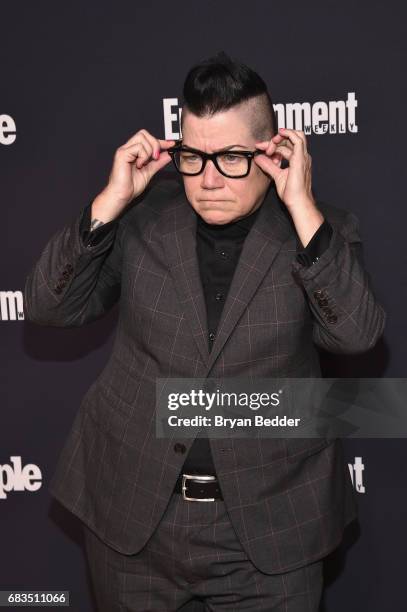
231, 164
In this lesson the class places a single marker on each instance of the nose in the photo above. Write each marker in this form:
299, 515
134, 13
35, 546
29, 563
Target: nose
211, 177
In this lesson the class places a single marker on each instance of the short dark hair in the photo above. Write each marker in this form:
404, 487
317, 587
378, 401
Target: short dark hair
219, 83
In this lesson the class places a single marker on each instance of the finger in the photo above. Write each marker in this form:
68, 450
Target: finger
269, 166
302, 136
291, 135
262, 145
273, 149
283, 143
277, 136
135, 138
166, 144
140, 137
153, 144
147, 144
157, 144
153, 164
294, 158
270, 145
157, 164
142, 157
296, 137
136, 152
276, 158
285, 151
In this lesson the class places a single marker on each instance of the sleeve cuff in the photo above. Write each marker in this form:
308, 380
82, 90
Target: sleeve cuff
317, 245
92, 238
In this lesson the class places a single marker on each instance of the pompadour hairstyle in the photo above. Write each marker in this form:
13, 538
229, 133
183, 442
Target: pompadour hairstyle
220, 83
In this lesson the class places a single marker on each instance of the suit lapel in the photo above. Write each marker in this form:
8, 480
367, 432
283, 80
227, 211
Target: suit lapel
179, 239
272, 227
266, 237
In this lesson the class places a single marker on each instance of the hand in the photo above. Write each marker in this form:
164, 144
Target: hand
134, 165
293, 184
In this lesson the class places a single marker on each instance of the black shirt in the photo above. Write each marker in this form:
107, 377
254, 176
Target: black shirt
218, 251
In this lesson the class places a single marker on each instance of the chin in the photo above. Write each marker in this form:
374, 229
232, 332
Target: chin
214, 213
216, 216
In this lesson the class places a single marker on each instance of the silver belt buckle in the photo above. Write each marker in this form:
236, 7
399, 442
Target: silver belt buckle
197, 478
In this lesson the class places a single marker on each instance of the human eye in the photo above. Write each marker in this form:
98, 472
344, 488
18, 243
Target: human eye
189, 157
231, 158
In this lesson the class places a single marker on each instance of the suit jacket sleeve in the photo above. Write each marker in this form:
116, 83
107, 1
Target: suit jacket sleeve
347, 317
76, 279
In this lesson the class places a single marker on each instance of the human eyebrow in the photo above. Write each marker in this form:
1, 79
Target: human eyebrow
231, 147
219, 150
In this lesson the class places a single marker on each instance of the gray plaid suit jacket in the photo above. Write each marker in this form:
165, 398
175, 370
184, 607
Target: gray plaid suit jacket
288, 499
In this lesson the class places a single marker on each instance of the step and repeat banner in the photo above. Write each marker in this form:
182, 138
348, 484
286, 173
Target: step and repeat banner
78, 80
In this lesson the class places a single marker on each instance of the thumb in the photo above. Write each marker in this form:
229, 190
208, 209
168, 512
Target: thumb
156, 164
270, 165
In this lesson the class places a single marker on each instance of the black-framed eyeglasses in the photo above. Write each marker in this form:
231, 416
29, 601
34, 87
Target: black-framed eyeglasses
190, 161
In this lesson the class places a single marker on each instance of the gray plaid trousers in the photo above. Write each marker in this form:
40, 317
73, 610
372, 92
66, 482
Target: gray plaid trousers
194, 554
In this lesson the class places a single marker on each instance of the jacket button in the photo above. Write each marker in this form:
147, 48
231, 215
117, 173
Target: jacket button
322, 302
332, 318
318, 293
327, 310
58, 289
180, 448
219, 296
69, 267
211, 336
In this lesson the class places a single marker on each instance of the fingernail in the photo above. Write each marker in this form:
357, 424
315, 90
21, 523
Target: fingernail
157, 154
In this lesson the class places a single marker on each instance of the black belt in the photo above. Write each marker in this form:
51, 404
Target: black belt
198, 487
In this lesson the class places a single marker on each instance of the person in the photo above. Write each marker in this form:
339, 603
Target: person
227, 268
